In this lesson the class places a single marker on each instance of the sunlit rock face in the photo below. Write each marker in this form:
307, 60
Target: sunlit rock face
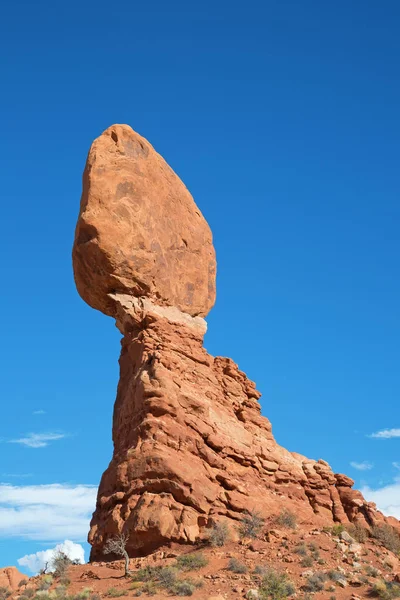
190, 445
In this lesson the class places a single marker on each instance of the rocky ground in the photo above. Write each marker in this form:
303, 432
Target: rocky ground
283, 560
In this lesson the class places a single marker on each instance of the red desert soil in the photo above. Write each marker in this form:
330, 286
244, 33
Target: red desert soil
278, 549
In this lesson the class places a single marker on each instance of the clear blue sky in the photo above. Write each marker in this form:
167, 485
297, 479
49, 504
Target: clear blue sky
282, 118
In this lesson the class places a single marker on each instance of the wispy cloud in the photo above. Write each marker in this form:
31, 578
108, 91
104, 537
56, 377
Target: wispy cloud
16, 475
386, 498
362, 466
396, 465
50, 513
38, 440
386, 434
39, 412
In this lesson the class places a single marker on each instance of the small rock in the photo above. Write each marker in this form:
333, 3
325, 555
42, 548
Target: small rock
308, 573
342, 582
253, 594
346, 537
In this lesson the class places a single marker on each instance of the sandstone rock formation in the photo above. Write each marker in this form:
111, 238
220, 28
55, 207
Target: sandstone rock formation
139, 230
190, 444
10, 577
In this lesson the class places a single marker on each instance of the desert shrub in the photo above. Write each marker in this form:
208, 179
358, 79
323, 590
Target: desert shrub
301, 549
386, 590
5, 592
164, 577
115, 593
27, 594
337, 529
149, 587
388, 536
183, 588
148, 573
85, 594
307, 561
358, 532
191, 562
60, 591
275, 586
236, 566
61, 563
22, 582
251, 525
218, 535
315, 582
45, 583
286, 519
167, 577
65, 581
95, 596
313, 547
335, 575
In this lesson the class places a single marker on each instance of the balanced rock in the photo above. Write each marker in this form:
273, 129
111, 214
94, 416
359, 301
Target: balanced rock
139, 231
190, 445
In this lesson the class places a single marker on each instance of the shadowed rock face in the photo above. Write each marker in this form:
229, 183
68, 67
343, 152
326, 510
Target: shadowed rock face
190, 445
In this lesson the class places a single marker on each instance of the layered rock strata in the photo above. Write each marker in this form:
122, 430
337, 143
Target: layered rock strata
190, 445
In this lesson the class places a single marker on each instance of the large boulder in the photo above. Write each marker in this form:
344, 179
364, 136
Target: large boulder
139, 231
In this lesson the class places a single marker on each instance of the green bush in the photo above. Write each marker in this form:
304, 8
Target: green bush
337, 529
191, 562
218, 535
286, 519
275, 586
236, 566
251, 525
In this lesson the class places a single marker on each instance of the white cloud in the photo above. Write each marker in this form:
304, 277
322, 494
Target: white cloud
38, 440
39, 560
39, 412
386, 434
46, 512
396, 465
386, 498
362, 466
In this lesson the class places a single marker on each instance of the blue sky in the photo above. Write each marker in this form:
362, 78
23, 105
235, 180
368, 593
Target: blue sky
282, 118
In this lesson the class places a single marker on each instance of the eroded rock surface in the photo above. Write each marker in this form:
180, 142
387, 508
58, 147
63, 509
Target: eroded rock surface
10, 578
139, 230
190, 444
